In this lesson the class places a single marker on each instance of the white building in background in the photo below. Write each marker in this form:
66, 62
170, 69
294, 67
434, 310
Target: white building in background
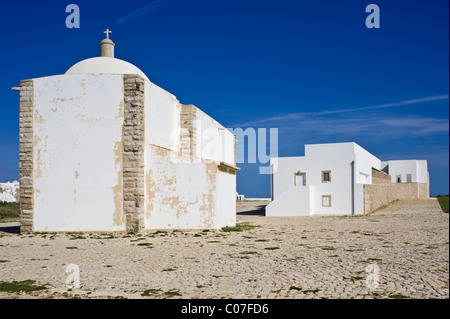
409, 171
342, 179
9, 192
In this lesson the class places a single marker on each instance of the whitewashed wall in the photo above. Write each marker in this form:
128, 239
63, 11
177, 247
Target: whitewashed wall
77, 153
186, 195
364, 163
226, 199
359, 199
179, 193
417, 169
294, 201
336, 158
422, 172
214, 142
162, 117
283, 169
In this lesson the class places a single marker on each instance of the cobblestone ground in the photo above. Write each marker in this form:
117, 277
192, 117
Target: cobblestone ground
300, 257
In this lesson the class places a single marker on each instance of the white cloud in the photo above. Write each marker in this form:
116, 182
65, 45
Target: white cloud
351, 127
276, 121
417, 125
144, 10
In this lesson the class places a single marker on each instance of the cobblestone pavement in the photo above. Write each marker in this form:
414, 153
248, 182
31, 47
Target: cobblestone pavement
292, 257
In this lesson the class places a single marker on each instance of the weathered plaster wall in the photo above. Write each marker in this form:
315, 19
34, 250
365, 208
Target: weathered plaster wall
103, 153
182, 191
77, 153
185, 194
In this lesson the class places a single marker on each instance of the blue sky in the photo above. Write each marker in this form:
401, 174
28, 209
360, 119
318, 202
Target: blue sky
309, 68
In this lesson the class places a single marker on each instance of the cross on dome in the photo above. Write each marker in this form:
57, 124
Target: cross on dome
107, 46
107, 33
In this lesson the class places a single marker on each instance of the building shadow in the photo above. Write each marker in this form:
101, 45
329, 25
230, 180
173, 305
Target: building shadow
10, 229
259, 210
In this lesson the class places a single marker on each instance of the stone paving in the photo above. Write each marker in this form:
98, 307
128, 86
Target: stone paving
292, 257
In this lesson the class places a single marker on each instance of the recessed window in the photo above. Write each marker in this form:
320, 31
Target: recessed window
399, 178
326, 176
300, 179
326, 201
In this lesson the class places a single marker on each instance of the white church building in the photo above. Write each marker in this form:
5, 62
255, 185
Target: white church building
102, 148
342, 179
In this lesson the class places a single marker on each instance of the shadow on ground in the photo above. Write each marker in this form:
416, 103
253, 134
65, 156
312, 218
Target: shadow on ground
259, 210
9, 229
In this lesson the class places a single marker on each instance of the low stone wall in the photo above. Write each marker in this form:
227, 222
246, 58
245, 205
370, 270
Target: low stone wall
424, 191
376, 196
382, 191
380, 178
407, 190
412, 190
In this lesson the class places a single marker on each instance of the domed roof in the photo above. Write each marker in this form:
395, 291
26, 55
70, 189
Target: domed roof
105, 65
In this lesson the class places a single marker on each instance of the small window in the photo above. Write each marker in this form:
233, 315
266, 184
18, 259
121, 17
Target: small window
399, 178
326, 176
326, 201
300, 179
